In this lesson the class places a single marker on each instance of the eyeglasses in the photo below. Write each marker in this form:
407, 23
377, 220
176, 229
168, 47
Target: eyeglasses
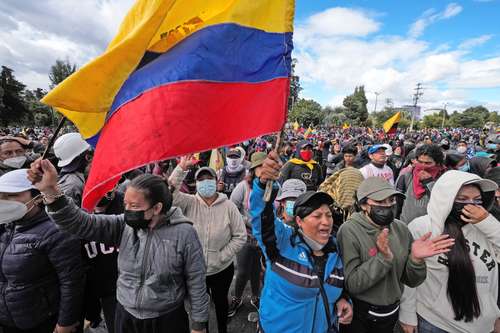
470, 202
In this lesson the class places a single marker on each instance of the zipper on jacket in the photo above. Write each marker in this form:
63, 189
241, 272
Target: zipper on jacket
314, 314
4, 287
143, 270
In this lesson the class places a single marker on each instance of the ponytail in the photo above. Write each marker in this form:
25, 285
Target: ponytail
461, 290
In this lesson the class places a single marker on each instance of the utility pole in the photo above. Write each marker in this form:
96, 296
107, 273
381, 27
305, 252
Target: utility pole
376, 100
416, 97
444, 114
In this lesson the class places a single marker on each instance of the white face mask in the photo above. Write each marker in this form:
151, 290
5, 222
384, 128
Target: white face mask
462, 149
15, 162
11, 211
233, 163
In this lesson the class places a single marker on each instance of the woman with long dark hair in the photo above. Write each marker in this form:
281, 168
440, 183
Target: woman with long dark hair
460, 292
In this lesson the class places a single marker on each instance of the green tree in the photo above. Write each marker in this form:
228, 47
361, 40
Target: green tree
12, 108
473, 117
355, 104
334, 116
42, 114
60, 71
306, 112
295, 87
434, 120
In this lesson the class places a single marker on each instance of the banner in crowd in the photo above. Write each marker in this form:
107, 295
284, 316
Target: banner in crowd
181, 76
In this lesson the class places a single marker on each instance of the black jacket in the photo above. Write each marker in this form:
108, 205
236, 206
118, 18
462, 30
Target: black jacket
41, 274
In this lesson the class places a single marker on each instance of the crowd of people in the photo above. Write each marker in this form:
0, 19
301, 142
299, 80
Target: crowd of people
336, 229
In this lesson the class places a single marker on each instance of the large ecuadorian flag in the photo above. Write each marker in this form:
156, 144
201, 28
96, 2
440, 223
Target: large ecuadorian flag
180, 76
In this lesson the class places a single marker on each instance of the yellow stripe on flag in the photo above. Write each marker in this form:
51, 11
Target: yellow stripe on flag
392, 121
154, 25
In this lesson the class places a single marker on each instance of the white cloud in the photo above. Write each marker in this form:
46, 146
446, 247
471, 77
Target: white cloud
473, 42
430, 16
34, 34
337, 21
392, 65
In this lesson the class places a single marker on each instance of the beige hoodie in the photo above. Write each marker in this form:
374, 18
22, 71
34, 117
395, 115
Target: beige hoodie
220, 226
430, 299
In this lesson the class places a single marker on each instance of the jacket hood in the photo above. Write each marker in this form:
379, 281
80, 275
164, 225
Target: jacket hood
175, 216
445, 190
361, 218
479, 165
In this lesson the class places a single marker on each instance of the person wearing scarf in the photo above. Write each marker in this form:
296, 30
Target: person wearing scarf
303, 167
417, 185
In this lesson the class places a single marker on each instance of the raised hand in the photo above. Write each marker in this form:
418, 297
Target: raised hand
186, 162
383, 244
43, 175
271, 167
474, 214
425, 247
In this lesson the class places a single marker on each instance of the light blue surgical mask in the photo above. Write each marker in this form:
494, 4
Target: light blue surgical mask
206, 188
465, 167
491, 146
289, 208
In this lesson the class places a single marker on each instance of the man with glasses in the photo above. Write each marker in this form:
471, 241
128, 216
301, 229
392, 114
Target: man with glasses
417, 185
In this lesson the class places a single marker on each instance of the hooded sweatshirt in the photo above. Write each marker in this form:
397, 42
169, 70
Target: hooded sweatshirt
220, 226
370, 277
430, 299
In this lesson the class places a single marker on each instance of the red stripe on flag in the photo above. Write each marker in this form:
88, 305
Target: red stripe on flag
181, 118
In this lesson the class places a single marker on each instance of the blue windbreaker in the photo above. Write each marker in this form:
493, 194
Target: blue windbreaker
291, 301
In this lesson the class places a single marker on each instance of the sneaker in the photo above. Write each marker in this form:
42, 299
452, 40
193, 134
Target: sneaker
234, 306
255, 301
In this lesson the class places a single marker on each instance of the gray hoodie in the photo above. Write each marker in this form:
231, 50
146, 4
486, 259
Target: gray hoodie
158, 268
220, 226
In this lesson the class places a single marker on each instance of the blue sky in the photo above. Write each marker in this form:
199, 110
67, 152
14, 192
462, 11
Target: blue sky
452, 47
456, 43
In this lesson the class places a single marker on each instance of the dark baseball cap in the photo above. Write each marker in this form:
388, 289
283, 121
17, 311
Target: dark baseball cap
205, 170
310, 197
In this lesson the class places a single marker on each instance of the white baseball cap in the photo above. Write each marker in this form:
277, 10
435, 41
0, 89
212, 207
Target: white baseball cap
15, 182
68, 147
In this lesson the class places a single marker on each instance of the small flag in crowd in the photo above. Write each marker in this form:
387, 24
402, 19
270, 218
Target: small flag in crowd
180, 76
346, 126
391, 125
296, 126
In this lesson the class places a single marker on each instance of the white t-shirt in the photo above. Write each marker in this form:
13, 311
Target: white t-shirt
371, 170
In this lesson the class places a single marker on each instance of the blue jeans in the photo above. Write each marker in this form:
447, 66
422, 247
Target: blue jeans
425, 327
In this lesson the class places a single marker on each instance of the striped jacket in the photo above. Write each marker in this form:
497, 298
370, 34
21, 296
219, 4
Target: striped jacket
291, 300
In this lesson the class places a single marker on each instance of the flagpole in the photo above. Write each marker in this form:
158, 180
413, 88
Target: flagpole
277, 148
54, 137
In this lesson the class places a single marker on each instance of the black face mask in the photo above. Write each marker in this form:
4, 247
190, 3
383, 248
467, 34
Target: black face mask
456, 212
381, 215
135, 219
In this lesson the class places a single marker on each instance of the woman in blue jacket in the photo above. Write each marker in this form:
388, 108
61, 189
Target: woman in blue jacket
303, 286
